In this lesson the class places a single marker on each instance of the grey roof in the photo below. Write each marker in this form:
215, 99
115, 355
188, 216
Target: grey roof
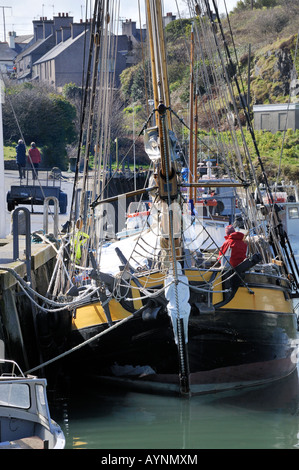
59, 48
275, 107
6, 53
24, 39
35, 46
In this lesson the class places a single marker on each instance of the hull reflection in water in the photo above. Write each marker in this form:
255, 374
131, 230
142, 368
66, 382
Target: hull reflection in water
258, 418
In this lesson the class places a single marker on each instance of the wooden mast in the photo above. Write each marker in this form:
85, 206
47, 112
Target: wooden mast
191, 114
195, 145
165, 82
166, 177
160, 80
152, 55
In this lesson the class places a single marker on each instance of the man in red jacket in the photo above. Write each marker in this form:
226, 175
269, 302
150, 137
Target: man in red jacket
234, 248
34, 159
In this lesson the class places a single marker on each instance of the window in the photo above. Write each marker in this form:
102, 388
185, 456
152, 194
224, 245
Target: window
282, 119
293, 213
265, 121
15, 395
41, 401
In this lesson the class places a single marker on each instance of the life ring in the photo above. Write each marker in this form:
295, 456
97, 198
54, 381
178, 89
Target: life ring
219, 207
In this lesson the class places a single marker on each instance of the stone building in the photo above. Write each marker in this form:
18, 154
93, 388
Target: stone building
63, 63
56, 53
44, 39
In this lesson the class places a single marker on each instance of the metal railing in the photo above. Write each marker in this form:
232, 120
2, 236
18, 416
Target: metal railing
15, 227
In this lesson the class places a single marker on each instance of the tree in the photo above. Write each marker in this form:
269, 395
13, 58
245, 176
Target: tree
40, 115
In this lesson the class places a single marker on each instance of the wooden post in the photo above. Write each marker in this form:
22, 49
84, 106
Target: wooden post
3, 229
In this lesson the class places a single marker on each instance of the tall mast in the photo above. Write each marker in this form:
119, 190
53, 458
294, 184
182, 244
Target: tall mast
191, 111
153, 65
167, 178
164, 62
160, 79
195, 143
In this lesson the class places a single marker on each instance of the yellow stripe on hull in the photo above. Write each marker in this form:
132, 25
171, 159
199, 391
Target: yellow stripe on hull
93, 314
263, 299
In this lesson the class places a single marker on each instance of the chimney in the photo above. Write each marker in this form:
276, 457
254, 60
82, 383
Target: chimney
129, 28
48, 28
77, 28
58, 36
168, 19
11, 39
65, 33
38, 29
61, 21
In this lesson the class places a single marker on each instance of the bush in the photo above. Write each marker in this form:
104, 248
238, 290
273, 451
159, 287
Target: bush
43, 117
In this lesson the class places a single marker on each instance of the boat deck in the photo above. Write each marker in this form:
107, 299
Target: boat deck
32, 442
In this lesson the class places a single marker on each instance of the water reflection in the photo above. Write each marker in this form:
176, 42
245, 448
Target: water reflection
259, 418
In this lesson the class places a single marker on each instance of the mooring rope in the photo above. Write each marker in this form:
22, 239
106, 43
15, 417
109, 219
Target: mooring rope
68, 305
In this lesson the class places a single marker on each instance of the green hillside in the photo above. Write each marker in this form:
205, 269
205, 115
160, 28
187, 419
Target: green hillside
269, 32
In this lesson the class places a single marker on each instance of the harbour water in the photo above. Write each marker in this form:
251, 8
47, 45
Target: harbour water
118, 420
102, 418
114, 420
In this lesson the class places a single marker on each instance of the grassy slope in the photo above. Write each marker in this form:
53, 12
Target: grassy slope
10, 152
272, 34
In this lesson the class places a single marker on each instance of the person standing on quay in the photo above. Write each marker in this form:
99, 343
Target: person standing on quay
34, 159
21, 158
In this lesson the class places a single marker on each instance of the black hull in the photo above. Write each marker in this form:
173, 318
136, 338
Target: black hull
225, 350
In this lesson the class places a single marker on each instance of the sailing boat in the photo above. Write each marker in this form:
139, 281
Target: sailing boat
156, 311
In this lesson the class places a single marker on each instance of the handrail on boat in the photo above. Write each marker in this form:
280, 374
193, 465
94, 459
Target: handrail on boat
14, 367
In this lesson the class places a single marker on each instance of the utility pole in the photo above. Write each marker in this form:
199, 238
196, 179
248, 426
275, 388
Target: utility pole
3, 232
3, 11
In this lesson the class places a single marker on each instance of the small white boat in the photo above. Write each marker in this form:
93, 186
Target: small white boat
25, 421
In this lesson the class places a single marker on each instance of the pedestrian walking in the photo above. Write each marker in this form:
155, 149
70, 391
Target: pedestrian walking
34, 159
21, 158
